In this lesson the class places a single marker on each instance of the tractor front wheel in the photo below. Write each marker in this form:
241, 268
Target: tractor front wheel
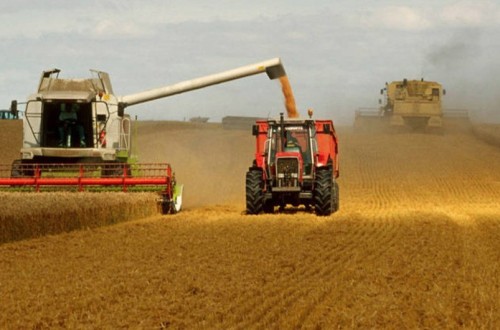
254, 192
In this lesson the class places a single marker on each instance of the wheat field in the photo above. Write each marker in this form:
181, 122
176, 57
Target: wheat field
416, 244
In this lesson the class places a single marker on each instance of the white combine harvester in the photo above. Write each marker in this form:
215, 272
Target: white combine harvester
92, 150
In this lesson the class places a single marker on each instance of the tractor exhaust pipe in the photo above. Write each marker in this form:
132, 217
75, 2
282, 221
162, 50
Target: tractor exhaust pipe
273, 68
282, 126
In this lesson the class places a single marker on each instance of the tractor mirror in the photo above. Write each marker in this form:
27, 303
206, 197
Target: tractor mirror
326, 128
379, 101
255, 130
13, 108
444, 91
381, 91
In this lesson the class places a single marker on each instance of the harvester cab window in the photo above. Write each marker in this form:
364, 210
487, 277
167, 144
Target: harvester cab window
66, 124
435, 93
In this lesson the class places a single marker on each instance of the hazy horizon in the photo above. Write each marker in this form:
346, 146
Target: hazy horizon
337, 55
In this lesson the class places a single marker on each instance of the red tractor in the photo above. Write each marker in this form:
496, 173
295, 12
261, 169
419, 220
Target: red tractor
296, 162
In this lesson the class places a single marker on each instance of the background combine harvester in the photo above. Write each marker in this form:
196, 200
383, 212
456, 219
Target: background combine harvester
413, 103
296, 162
93, 151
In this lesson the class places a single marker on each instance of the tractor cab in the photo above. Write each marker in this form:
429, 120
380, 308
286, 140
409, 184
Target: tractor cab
294, 144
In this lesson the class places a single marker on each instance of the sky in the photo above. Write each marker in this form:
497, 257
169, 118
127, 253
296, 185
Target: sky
337, 54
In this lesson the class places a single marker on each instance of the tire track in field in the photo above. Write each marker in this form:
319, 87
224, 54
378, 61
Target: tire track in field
301, 292
277, 297
382, 237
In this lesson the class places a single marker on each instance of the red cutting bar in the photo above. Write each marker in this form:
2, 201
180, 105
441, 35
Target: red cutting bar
145, 174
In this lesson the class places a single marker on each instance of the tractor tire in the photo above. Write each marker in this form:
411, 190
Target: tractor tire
323, 191
254, 193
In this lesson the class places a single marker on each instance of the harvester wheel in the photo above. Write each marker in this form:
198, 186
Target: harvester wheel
166, 207
323, 191
254, 193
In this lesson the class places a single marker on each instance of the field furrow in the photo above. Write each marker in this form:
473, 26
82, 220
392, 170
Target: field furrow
415, 244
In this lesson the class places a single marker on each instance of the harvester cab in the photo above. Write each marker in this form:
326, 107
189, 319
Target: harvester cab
296, 162
413, 103
80, 125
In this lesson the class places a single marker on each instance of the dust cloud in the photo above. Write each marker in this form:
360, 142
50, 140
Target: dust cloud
209, 161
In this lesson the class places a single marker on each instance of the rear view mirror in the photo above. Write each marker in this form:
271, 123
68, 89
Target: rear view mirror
326, 129
13, 108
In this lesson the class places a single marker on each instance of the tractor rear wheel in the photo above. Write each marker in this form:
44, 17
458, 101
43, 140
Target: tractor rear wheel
323, 192
254, 193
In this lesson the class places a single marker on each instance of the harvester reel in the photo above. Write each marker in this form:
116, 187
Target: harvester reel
20, 170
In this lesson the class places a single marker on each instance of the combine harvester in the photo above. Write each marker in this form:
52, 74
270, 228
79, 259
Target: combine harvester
296, 162
92, 151
411, 103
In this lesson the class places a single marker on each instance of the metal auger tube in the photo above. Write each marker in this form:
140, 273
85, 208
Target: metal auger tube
273, 68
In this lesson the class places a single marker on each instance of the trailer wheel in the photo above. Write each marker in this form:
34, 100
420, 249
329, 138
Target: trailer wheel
323, 191
335, 196
254, 193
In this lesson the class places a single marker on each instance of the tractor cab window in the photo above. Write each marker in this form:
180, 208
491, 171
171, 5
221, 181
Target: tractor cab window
296, 139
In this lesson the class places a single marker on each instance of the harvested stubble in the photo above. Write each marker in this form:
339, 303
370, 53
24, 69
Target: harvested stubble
213, 268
